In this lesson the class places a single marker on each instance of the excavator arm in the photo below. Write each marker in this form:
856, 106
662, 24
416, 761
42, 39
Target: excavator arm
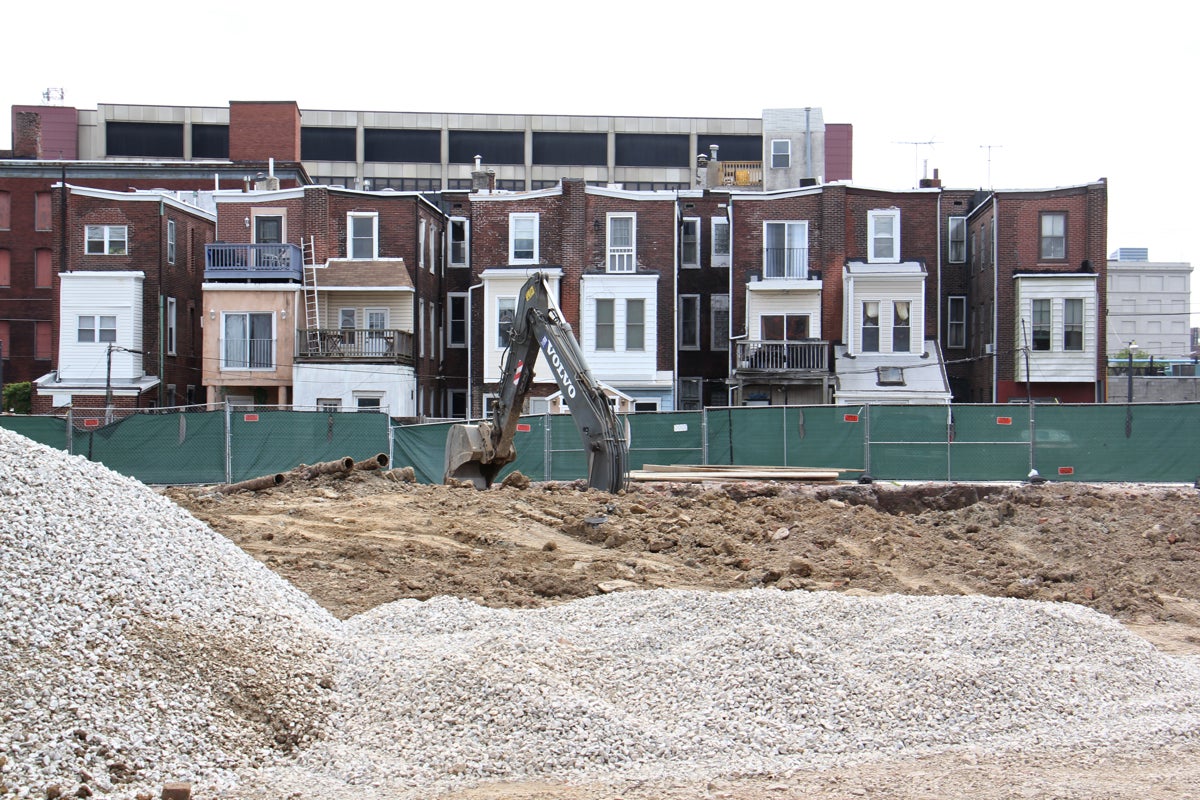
477, 453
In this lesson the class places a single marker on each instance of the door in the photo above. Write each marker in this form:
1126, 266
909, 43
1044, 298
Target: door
268, 230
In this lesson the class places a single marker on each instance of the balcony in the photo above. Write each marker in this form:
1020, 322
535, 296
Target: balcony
253, 262
810, 355
355, 344
742, 174
785, 263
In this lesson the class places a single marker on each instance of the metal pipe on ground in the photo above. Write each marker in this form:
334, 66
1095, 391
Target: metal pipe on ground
374, 462
254, 484
344, 464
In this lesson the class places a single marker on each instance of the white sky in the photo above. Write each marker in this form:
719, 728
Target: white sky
1065, 92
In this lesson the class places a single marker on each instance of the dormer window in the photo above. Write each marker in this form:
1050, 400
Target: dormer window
883, 235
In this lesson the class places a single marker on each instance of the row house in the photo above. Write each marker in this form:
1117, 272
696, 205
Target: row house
320, 297
125, 300
609, 254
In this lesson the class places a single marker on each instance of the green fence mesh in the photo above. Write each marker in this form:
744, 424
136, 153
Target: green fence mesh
1141, 442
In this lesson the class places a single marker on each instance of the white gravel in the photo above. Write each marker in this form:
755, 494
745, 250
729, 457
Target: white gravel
139, 647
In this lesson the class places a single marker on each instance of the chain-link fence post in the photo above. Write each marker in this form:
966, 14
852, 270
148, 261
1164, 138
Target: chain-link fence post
867, 440
704, 436
547, 448
228, 442
70, 430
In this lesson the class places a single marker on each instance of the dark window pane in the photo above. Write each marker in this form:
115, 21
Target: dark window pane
733, 148
496, 147
210, 141
653, 150
144, 139
327, 144
590, 149
395, 146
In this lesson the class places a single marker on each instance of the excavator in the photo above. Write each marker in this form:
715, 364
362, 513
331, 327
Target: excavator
477, 453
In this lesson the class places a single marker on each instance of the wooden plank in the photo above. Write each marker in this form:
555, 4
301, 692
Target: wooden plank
732, 475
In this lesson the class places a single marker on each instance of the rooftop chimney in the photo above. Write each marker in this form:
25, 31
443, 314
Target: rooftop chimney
479, 177
27, 134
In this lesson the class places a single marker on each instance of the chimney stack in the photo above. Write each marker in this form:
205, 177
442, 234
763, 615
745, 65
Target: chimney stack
479, 178
27, 134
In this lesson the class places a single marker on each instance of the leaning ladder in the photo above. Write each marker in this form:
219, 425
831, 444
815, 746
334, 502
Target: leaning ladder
312, 307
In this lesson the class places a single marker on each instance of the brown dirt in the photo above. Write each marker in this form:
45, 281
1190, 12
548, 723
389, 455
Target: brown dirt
1131, 551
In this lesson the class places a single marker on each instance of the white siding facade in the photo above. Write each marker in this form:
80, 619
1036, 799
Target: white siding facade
115, 294
1056, 364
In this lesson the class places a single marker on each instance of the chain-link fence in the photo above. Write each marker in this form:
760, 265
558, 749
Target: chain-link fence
1095, 442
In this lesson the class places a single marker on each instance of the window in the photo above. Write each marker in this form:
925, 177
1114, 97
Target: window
171, 325
522, 238
883, 235
368, 402
456, 330
870, 326
1054, 235
43, 272
506, 311
720, 242
170, 241
5, 211
458, 242
645, 406
41, 342
621, 238
329, 404
781, 153
689, 394
784, 327
605, 324
5, 268
1073, 324
106, 240
956, 321
362, 235
458, 403
901, 327
957, 236
720, 322
689, 237
635, 324
689, 322
347, 323
785, 250
249, 341
97, 329
41, 211
268, 229
1041, 324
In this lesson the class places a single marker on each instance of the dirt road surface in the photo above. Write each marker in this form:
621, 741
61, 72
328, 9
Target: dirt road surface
1130, 551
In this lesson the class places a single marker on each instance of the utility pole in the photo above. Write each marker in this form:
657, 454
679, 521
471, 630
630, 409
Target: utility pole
108, 406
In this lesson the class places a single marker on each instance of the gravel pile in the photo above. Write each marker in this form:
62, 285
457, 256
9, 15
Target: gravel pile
142, 647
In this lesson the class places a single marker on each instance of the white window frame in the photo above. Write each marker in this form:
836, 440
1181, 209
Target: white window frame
631, 326
718, 332
685, 300
172, 326
503, 304
794, 263
463, 257
101, 328
1067, 302
421, 243
956, 321
692, 260
720, 258
421, 325
225, 365
110, 244
329, 404
901, 325
462, 299
1056, 236
875, 238
170, 241
1047, 324
956, 236
781, 157
604, 331
620, 259
352, 238
374, 401
877, 327
522, 219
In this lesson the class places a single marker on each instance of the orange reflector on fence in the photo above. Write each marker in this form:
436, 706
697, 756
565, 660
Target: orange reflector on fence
1066, 470
249, 417
523, 428
850, 418
1004, 420
91, 423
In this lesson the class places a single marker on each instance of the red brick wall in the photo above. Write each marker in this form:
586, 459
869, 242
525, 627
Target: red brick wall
262, 130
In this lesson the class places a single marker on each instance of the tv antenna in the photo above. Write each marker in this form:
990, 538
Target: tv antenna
916, 146
53, 94
989, 148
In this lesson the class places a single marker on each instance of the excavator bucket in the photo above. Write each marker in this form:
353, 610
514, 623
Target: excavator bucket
469, 455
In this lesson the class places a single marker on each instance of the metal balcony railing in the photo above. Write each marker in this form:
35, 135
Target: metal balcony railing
810, 355
366, 344
253, 262
785, 263
247, 353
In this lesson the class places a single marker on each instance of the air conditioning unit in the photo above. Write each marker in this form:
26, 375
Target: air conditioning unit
989, 348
